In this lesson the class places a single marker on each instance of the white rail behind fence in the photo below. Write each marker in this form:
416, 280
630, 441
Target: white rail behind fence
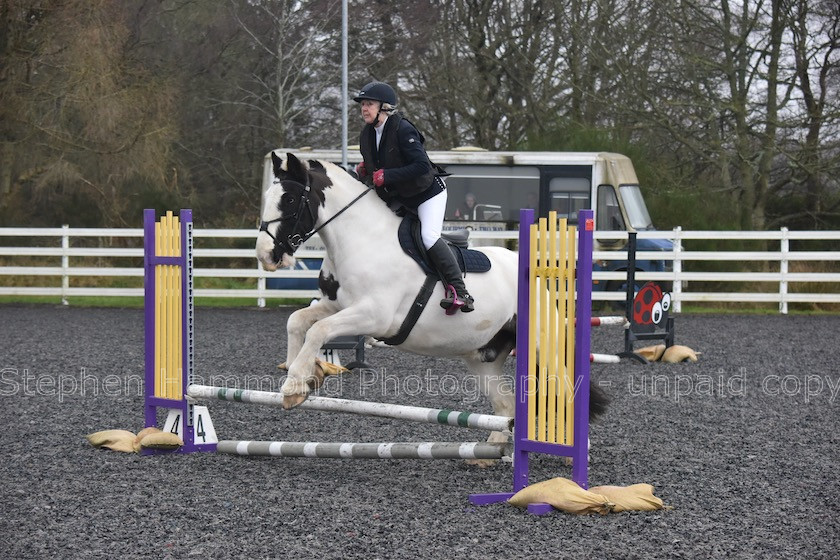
56, 261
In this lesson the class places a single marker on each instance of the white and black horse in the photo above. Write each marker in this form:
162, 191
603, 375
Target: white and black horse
369, 284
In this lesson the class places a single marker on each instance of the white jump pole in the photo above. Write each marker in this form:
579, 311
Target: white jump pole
411, 450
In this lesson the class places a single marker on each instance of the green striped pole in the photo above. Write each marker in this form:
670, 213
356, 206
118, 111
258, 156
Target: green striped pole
382, 410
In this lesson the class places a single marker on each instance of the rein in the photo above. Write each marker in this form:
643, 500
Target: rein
295, 240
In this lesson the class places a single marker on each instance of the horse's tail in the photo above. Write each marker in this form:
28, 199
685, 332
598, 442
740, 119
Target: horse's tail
598, 400
505, 341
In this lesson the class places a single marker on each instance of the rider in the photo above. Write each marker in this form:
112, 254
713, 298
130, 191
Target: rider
396, 162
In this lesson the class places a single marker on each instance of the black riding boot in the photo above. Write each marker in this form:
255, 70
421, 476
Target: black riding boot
443, 259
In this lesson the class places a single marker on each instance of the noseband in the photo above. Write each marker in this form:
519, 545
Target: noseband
297, 237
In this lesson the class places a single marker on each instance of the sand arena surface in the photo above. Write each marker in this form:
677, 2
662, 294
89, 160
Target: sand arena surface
743, 444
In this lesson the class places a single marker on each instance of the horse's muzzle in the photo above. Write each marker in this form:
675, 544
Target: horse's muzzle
270, 255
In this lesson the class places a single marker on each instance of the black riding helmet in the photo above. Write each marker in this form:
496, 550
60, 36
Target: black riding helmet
377, 91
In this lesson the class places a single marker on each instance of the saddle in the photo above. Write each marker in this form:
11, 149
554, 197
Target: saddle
468, 259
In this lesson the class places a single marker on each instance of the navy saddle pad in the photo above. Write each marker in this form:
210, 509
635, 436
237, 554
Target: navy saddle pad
468, 259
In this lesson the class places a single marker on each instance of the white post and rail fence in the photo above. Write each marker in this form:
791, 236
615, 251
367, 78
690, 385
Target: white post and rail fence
770, 267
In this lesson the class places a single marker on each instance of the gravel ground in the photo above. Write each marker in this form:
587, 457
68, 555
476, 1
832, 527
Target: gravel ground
743, 445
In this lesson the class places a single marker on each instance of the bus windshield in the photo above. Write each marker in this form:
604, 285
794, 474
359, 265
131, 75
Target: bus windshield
634, 204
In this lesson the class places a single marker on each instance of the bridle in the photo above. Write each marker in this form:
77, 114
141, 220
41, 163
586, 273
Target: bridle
297, 237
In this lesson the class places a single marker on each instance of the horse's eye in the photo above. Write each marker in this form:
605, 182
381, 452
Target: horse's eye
288, 198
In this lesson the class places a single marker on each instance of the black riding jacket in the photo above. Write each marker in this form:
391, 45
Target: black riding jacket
408, 171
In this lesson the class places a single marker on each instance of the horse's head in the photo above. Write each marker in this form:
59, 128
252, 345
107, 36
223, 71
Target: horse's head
291, 210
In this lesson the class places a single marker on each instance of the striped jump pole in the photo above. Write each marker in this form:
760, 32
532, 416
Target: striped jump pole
411, 450
617, 320
381, 410
604, 359
552, 395
169, 329
609, 320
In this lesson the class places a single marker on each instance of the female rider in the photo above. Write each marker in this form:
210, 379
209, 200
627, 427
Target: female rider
396, 163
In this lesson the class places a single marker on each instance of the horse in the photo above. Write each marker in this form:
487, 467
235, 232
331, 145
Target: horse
368, 284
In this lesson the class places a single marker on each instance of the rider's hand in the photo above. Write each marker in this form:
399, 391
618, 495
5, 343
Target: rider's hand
360, 170
379, 177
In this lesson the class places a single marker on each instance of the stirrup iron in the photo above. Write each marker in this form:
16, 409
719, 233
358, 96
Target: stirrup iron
452, 302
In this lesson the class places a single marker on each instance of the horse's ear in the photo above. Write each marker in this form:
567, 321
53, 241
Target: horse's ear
277, 163
297, 170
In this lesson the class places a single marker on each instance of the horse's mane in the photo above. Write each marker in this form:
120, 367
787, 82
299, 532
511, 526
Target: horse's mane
320, 175
322, 170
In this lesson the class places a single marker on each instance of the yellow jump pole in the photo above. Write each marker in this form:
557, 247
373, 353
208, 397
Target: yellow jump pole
562, 349
550, 315
533, 395
569, 381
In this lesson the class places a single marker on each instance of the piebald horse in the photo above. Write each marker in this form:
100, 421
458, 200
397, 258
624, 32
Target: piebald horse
368, 283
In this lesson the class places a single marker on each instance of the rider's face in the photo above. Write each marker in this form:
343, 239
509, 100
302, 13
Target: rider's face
370, 108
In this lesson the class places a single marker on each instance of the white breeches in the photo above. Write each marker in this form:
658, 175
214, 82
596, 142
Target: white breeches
431, 218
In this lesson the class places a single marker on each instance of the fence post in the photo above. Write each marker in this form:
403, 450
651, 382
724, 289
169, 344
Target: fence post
65, 263
676, 288
260, 286
783, 272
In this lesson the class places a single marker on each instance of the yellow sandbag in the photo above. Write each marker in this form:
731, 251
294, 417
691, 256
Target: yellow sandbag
143, 433
118, 440
636, 497
563, 494
677, 353
651, 353
329, 368
161, 440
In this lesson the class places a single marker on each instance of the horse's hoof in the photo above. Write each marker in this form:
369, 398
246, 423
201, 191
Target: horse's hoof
283, 367
291, 401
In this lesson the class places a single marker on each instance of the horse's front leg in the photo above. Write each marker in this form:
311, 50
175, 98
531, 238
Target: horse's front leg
304, 374
300, 322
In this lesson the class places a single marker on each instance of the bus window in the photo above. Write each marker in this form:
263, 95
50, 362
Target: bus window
499, 191
608, 213
637, 211
568, 195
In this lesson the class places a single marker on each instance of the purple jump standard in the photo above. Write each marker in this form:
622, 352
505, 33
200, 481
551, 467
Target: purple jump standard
167, 254
522, 444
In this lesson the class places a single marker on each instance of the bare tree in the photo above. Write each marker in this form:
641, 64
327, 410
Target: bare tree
488, 67
713, 90
815, 31
295, 89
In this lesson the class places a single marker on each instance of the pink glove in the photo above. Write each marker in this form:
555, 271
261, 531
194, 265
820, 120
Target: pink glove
379, 177
360, 170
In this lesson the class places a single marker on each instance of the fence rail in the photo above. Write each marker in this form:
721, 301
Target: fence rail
31, 255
